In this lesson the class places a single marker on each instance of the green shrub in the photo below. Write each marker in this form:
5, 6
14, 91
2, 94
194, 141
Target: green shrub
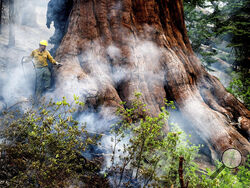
239, 87
43, 146
151, 156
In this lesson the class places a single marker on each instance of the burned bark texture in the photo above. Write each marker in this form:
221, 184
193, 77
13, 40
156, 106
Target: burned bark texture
96, 26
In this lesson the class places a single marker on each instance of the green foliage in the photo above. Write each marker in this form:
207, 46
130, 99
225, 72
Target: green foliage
228, 178
149, 157
239, 86
235, 28
216, 23
220, 29
43, 146
243, 174
200, 26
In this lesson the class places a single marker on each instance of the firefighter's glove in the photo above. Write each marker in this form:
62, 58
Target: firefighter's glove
58, 64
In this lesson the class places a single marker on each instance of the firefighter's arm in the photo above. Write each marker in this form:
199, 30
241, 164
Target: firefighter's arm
51, 59
27, 59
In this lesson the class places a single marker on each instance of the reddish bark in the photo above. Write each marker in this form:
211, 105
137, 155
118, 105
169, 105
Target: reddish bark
201, 98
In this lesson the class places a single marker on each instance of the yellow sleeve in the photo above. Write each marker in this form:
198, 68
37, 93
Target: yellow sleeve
28, 58
51, 59
32, 54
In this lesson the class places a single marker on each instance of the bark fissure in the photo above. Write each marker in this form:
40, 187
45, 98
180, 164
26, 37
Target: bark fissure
96, 18
162, 14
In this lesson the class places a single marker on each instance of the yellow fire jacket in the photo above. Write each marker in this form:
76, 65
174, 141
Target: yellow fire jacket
40, 58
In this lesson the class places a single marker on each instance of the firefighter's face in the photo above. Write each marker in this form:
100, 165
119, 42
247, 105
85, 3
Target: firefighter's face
42, 47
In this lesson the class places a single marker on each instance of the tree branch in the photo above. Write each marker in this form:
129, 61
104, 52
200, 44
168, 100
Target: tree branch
181, 159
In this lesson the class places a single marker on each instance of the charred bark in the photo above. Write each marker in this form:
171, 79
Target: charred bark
108, 35
58, 11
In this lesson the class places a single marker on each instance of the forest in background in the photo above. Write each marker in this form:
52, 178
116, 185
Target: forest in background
219, 34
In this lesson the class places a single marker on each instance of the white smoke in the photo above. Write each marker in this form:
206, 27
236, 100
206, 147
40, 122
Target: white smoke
114, 148
19, 84
113, 52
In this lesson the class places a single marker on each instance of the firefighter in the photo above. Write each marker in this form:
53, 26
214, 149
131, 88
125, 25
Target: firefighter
43, 74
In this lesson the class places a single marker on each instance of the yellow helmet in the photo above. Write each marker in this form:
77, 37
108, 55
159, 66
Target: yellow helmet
43, 42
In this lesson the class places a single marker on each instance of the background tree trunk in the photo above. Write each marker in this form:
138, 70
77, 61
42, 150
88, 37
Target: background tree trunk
107, 39
1, 12
11, 23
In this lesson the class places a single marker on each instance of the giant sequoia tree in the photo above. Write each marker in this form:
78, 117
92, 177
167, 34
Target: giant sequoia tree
114, 48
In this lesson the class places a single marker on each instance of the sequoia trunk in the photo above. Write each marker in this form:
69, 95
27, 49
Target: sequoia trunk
115, 48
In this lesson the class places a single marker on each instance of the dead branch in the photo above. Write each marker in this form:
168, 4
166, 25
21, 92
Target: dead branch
181, 176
